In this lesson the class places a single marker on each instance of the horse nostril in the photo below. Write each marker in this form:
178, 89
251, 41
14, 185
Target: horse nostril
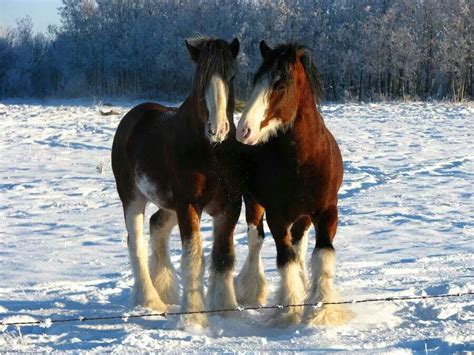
247, 133
226, 126
209, 130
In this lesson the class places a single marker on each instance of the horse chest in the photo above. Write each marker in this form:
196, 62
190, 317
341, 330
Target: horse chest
274, 176
281, 181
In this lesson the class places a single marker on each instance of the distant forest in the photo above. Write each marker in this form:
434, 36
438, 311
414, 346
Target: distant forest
364, 49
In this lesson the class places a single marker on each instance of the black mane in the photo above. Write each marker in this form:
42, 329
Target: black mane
280, 58
215, 57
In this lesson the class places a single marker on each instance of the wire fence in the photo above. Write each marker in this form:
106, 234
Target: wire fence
125, 317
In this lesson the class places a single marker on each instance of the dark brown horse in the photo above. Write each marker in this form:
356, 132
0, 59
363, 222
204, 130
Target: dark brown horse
295, 173
184, 161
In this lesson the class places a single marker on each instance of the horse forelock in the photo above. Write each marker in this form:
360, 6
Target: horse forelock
215, 58
280, 60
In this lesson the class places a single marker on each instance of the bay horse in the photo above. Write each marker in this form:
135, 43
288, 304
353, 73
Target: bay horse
295, 173
184, 161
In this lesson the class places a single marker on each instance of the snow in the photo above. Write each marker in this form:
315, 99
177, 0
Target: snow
406, 228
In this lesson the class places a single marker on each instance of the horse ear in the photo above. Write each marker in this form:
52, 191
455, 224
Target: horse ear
234, 47
264, 49
193, 51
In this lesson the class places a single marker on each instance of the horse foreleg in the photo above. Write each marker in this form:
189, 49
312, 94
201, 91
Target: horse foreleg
292, 286
250, 284
192, 265
221, 294
299, 238
163, 274
144, 294
323, 265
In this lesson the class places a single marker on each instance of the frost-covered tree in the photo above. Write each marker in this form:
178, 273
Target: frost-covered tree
365, 49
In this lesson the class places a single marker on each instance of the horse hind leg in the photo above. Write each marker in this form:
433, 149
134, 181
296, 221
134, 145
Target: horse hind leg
163, 273
144, 294
250, 284
323, 265
221, 293
299, 239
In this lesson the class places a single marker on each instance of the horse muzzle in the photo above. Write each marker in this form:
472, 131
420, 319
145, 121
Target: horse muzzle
246, 135
217, 134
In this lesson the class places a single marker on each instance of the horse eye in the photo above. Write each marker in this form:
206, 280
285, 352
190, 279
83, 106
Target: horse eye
279, 85
232, 78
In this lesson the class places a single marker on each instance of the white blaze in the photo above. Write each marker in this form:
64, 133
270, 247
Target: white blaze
254, 112
216, 101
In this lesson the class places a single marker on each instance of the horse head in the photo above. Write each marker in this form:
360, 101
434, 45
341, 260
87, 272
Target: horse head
286, 76
214, 84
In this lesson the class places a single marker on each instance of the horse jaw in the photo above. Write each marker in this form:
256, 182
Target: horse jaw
216, 100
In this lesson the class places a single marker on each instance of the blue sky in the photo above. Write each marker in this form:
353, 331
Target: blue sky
43, 12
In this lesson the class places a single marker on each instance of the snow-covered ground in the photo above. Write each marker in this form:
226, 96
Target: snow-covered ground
406, 228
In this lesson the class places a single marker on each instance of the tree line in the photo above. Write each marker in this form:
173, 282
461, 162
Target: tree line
364, 49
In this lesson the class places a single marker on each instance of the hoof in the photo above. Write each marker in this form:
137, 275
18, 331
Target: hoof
149, 299
155, 304
328, 315
225, 314
194, 320
284, 318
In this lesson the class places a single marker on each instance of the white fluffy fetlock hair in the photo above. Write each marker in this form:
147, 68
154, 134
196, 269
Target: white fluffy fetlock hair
163, 273
301, 248
192, 269
165, 280
221, 294
323, 265
143, 294
291, 291
250, 285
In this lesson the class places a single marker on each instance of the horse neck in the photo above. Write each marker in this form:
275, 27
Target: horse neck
308, 127
308, 121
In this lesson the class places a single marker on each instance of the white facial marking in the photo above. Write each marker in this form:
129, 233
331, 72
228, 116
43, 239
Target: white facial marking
248, 130
216, 101
271, 130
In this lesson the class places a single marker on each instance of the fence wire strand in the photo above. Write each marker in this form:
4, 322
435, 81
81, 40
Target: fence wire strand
238, 309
